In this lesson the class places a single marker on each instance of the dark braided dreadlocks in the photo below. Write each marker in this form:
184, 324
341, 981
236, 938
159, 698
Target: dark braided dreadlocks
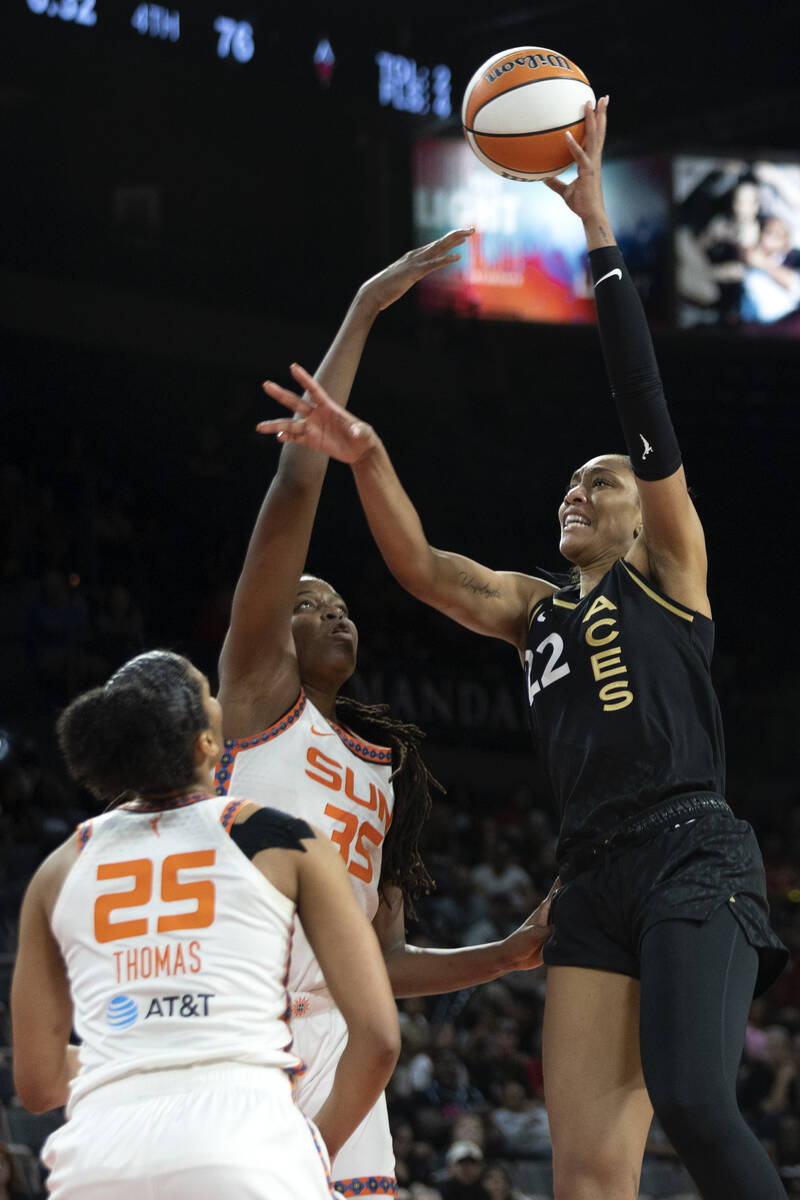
402, 862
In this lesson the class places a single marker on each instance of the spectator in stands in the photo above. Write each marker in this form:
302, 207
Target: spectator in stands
414, 1160
522, 1123
498, 1183
502, 876
11, 1185
765, 1084
450, 1090
465, 1163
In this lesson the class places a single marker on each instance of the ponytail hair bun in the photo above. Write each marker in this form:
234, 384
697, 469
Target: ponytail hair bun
136, 734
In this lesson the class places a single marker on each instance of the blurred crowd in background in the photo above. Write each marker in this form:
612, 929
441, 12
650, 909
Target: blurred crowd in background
91, 572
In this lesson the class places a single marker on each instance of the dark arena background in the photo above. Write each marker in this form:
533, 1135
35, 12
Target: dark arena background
191, 196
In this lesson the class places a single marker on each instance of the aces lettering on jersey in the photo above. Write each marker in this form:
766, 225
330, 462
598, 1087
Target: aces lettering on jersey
355, 838
607, 661
545, 665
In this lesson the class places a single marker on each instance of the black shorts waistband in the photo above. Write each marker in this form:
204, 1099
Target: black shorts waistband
640, 827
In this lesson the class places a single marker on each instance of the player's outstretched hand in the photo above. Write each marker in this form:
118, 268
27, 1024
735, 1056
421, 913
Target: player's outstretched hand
584, 195
524, 945
319, 422
394, 281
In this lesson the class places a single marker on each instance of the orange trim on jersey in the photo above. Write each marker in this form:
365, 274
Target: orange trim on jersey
368, 751
233, 746
312, 1129
362, 748
229, 813
84, 831
367, 1185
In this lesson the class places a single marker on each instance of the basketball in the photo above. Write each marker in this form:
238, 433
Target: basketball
518, 107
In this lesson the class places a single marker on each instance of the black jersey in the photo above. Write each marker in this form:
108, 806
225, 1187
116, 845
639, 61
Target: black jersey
622, 706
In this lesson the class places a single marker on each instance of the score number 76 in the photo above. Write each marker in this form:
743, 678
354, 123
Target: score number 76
235, 39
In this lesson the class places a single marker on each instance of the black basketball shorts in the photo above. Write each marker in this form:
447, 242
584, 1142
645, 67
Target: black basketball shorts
686, 871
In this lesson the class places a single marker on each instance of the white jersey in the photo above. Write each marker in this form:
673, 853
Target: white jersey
176, 946
314, 769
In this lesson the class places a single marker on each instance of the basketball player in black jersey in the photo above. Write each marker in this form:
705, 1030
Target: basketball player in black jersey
660, 925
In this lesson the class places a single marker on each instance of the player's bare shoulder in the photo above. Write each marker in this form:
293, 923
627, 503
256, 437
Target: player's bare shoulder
48, 879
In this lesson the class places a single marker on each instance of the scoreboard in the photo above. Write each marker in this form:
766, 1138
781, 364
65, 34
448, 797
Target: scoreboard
192, 148
225, 35
241, 36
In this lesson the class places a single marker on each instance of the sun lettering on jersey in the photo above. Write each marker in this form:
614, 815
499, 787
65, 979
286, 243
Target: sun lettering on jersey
353, 837
154, 961
607, 660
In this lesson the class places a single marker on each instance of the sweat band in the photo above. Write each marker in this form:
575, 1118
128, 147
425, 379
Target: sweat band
632, 368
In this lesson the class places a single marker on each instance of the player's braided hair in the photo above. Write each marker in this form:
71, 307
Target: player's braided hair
402, 862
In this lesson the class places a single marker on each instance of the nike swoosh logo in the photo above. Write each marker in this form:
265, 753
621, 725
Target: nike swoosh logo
609, 275
320, 733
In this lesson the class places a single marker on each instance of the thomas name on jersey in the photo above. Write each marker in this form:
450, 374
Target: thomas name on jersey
145, 962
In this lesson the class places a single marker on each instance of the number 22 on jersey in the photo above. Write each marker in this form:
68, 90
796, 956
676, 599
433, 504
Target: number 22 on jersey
172, 891
553, 646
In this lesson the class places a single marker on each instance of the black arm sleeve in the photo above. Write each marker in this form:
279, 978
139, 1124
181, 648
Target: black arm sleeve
268, 828
632, 368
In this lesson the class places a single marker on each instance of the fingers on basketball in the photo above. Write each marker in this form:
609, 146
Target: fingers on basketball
556, 185
596, 125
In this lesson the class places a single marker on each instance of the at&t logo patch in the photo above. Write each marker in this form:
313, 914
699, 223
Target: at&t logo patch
122, 1012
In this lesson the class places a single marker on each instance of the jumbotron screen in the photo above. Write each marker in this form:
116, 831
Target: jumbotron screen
527, 260
737, 245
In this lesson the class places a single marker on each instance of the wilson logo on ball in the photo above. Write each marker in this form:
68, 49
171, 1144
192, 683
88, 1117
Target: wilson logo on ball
518, 107
534, 61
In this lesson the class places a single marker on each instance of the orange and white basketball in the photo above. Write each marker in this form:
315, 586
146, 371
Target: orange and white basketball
518, 107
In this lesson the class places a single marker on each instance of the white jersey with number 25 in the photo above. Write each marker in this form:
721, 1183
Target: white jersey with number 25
176, 946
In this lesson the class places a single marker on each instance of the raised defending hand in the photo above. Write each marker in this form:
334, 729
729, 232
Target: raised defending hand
524, 945
319, 422
394, 281
584, 195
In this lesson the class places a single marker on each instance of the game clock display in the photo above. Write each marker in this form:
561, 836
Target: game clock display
202, 32
228, 35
